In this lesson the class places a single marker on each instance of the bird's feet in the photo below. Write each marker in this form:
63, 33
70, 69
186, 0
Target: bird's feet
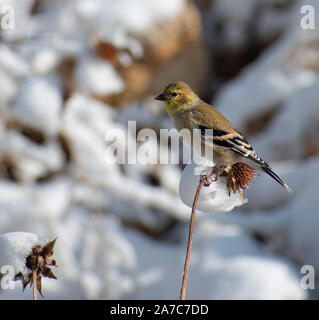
208, 173
238, 176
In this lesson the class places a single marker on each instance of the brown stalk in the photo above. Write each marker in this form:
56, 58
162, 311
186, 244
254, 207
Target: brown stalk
238, 176
202, 181
35, 284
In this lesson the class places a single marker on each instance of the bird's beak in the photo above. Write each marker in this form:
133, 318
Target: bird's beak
161, 97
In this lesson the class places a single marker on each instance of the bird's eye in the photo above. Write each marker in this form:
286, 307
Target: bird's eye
174, 94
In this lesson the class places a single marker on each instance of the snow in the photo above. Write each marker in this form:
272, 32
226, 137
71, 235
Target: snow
32, 160
44, 61
38, 103
292, 224
12, 198
271, 88
214, 198
52, 198
11, 62
95, 76
22, 11
8, 88
273, 78
308, 117
87, 247
85, 128
228, 265
14, 248
122, 228
136, 15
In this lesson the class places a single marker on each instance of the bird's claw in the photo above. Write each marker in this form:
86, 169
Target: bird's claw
207, 180
207, 176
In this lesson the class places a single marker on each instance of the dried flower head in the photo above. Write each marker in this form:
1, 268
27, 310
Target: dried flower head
38, 261
239, 175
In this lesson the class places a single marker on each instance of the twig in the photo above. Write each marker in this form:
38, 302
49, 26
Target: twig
35, 284
202, 181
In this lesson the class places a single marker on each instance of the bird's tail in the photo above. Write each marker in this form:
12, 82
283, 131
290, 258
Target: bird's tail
274, 176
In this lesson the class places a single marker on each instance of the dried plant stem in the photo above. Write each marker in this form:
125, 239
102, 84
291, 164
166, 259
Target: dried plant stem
35, 284
202, 181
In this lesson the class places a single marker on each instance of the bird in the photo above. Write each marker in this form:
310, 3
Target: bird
225, 144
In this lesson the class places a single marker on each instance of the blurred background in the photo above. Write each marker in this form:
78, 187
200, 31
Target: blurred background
72, 69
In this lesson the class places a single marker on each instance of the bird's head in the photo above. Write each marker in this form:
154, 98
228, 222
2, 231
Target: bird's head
178, 96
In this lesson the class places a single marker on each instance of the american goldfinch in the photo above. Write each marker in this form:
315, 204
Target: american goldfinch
225, 144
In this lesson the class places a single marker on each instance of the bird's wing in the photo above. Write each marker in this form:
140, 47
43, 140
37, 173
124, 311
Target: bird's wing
234, 141
216, 129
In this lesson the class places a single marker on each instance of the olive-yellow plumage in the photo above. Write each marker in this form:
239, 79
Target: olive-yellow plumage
226, 144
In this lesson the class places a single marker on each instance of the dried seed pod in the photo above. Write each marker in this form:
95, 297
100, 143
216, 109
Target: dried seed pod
239, 175
38, 261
